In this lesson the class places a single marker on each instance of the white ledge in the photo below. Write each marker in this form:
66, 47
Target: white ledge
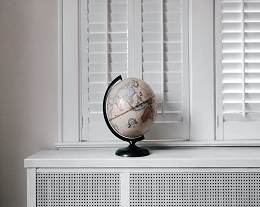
162, 143
171, 157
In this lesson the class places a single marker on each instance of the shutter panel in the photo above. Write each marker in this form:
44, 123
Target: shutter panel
164, 64
152, 44
241, 69
106, 37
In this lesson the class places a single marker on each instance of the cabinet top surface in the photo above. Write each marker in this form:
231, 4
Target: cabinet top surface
159, 158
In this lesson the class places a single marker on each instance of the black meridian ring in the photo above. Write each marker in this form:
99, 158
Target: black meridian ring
130, 140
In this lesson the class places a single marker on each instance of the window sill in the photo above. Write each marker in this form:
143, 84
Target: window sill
170, 157
176, 143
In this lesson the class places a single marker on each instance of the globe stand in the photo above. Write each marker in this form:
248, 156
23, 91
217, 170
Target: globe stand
132, 150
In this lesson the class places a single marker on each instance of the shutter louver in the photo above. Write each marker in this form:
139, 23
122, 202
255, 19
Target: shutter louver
107, 55
241, 68
163, 66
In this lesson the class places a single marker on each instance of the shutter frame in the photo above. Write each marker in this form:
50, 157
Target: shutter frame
238, 100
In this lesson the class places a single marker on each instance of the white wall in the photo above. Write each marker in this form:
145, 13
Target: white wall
28, 89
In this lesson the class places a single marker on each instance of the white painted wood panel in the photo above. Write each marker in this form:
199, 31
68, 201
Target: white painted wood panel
70, 73
184, 157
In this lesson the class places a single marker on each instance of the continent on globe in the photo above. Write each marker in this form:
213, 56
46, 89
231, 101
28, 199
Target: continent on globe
148, 114
125, 95
132, 122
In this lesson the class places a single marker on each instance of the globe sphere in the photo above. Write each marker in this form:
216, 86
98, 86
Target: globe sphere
131, 107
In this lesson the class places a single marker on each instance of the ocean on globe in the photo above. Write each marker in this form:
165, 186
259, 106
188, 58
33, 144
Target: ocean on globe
131, 107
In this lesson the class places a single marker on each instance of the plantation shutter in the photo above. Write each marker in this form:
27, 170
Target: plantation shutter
105, 56
240, 71
164, 62
144, 39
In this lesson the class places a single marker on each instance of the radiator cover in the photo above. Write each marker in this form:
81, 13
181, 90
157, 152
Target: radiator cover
169, 177
148, 189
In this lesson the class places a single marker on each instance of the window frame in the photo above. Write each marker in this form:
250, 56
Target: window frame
202, 50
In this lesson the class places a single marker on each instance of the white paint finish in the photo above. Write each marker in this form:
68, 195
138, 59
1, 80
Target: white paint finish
91, 105
236, 130
145, 170
148, 188
234, 122
186, 71
70, 71
138, 39
78, 189
125, 188
83, 70
202, 71
201, 37
218, 65
131, 39
31, 187
28, 89
60, 65
201, 60
109, 144
182, 157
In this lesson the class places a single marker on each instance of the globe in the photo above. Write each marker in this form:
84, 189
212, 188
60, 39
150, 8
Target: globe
129, 108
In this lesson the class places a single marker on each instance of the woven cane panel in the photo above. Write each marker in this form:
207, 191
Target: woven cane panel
78, 189
194, 189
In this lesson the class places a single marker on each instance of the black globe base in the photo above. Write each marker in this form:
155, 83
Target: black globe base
132, 151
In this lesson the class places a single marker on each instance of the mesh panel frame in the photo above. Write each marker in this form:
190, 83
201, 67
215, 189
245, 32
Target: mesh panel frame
194, 189
77, 189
